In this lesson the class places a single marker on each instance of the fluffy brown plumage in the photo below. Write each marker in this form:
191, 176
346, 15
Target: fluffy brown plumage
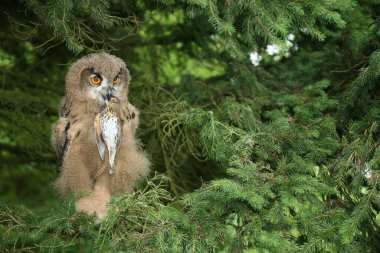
73, 136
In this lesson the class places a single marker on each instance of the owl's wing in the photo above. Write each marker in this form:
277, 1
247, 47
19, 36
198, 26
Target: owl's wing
64, 108
60, 140
64, 147
98, 137
60, 137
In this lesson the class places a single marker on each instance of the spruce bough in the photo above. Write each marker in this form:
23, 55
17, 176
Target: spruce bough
282, 157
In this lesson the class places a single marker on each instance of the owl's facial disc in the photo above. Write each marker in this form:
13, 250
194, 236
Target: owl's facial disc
102, 87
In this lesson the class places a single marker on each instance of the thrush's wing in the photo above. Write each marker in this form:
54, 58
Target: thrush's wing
98, 137
119, 135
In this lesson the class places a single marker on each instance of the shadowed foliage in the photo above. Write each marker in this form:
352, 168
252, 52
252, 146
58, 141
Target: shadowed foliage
261, 119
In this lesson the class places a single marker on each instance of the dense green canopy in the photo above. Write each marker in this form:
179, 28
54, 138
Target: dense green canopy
261, 119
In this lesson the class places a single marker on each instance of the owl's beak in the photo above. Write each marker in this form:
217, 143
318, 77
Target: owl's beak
109, 94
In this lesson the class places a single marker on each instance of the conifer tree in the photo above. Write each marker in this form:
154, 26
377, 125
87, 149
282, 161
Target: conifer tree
261, 118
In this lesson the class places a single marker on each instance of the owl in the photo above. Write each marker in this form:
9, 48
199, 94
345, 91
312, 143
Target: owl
92, 83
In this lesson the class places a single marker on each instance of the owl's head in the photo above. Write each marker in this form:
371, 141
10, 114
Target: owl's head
97, 78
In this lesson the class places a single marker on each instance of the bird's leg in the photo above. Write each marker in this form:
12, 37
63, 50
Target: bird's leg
98, 199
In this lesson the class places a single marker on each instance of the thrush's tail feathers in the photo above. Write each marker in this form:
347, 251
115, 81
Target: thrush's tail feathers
101, 170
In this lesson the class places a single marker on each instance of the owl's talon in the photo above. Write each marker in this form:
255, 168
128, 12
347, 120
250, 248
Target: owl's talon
92, 205
131, 116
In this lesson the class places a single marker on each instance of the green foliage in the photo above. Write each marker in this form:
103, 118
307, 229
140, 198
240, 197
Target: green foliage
279, 157
255, 22
77, 23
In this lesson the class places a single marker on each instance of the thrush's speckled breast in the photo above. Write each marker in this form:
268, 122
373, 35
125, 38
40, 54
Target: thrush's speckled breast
108, 131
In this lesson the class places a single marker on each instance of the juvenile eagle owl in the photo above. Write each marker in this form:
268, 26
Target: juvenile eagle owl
92, 83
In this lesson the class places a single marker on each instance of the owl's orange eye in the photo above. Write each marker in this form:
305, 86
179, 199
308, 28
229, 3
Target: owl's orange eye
95, 80
116, 80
